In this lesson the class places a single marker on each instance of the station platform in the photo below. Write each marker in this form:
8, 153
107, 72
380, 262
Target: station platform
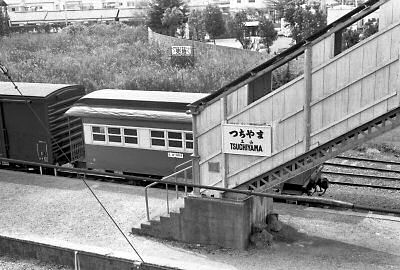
62, 212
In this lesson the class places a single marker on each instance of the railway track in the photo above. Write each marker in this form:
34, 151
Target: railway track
367, 171
340, 190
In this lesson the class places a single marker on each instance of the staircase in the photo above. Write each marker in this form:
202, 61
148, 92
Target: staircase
165, 227
343, 99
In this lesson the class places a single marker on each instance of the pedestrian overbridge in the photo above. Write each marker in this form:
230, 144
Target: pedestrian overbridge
249, 136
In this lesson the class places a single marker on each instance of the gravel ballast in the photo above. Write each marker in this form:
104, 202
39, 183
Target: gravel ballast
11, 263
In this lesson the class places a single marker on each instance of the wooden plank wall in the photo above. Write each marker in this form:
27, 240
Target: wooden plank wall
237, 100
348, 90
389, 13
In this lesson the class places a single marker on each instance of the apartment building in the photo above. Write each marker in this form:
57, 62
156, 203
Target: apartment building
56, 5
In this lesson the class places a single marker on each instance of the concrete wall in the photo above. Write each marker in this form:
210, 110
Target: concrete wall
65, 256
211, 221
222, 222
217, 222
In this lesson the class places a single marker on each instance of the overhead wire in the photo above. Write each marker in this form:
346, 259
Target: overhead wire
4, 70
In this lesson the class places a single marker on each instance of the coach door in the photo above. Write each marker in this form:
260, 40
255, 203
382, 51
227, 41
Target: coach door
42, 151
3, 134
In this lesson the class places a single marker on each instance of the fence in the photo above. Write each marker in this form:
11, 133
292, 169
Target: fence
199, 47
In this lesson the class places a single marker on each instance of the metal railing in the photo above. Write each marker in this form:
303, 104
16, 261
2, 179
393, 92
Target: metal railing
185, 173
175, 177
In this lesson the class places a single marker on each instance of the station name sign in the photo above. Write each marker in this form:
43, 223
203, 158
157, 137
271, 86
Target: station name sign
181, 50
246, 140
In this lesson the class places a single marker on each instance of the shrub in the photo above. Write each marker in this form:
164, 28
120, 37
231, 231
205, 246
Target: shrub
114, 56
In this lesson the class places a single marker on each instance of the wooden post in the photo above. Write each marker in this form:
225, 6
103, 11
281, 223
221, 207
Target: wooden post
307, 98
224, 162
196, 157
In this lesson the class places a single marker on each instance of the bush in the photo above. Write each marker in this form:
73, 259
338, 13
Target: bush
114, 56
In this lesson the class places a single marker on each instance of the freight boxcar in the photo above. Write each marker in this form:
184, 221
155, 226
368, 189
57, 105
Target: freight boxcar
133, 131
33, 125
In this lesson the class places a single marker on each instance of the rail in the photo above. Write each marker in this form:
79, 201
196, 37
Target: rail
338, 165
387, 162
185, 172
175, 177
322, 201
183, 164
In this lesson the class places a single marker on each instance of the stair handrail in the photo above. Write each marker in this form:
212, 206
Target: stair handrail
182, 164
173, 175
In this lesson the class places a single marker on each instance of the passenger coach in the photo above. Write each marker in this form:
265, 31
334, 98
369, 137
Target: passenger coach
133, 131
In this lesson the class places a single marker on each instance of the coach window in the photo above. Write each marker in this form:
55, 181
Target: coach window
175, 139
98, 134
189, 140
157, 138
114, 135
130, 136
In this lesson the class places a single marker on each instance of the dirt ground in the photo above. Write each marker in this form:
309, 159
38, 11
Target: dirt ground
62, 211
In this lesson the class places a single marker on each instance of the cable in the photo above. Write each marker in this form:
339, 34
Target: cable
115, 223
5, 72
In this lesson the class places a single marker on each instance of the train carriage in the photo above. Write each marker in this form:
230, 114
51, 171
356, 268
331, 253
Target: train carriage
34, 127
134, 131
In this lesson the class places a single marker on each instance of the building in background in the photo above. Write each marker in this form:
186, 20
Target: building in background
335, 12
237, 5
56, 5
224, 5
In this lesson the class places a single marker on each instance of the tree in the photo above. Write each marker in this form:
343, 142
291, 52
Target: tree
352, 37
214, 23
238, 29
267, 32
166, 16
304, 21
197, 25
369, 28
173, 19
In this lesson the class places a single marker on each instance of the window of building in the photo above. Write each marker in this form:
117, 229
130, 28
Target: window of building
252, 1
130, 136
157, 137
188, 140
114, 134
239, 1
98, 134
172, 139
175, 139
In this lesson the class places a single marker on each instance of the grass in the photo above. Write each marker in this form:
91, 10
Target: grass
114, 56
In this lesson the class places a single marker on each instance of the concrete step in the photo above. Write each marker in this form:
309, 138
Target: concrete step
154, 222
166, 226
165, 219
174, 215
